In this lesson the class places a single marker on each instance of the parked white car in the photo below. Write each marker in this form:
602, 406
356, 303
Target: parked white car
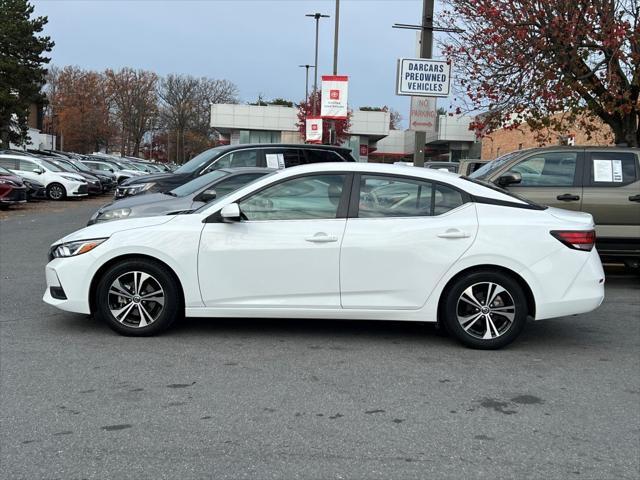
59, 183
344, 241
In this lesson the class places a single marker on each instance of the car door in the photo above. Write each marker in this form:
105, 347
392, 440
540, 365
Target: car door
552, 178
401, 237
612, 193
26, 167
284, 253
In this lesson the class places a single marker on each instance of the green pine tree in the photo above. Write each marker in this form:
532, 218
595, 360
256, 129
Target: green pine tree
22, 72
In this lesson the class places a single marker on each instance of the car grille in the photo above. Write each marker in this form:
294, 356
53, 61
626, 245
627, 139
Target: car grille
83, 188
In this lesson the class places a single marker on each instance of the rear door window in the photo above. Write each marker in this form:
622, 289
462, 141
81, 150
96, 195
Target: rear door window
318, 156
240, 158
27, 165
290, 157
612, 169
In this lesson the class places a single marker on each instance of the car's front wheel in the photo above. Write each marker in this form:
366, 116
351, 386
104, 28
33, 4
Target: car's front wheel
485, 309
138, 297
55, 191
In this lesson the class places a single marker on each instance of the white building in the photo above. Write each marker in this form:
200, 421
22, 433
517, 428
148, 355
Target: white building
371, 139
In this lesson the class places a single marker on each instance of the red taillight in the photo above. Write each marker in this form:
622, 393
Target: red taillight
576, 239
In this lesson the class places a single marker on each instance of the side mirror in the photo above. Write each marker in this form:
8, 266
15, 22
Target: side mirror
39, 171
207, 195
509, 178
230, 213
111, 170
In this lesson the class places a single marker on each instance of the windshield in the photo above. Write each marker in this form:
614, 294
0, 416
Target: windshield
494, 165
198, 183
51, 166
496, 188
64, 166
199, 160
80, 166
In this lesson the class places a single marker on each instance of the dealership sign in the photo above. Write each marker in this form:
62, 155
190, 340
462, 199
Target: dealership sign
314, 130
333, 103
423, 78
422, 117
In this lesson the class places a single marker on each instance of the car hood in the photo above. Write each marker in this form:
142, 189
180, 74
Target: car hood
580, 218
13, 178
137, 200
153, 177
106, 229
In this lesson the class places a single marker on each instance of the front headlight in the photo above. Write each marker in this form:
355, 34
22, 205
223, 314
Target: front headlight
139, 188
71, 249
115, 214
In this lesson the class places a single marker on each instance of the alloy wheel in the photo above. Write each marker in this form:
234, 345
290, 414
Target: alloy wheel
486, 310
136, 299
56, 192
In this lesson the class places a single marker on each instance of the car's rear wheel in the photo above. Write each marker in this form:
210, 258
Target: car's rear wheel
485, 310
56, 191
138, 298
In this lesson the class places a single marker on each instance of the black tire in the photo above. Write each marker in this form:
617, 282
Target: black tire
161, 276
504, 324
56, 191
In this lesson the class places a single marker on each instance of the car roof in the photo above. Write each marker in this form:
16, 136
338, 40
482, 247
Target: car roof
228, 148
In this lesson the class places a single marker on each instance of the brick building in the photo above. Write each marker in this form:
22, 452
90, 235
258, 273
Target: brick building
505, 140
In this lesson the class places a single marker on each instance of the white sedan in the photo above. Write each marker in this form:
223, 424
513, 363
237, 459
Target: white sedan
342, 241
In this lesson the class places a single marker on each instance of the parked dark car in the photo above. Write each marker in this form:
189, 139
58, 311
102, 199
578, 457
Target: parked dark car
35, 189
93, 182
12, 189
249, 155
185, 198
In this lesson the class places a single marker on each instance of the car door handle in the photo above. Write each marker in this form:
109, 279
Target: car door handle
453, 233
568, 197
321, 237
634, 198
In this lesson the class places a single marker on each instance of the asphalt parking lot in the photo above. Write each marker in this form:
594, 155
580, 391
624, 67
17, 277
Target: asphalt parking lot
292, 399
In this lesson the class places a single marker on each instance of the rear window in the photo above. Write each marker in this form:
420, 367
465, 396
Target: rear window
494, 187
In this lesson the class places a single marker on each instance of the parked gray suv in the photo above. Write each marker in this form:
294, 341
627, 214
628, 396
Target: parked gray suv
603, 181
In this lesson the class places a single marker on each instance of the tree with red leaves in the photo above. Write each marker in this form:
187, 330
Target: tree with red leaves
305, 109
526, 61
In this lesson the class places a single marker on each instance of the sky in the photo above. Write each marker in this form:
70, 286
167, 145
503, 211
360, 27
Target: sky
257, 44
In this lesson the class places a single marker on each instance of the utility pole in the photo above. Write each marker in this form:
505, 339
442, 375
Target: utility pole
306, 85
332, 125
317, 17
426, 47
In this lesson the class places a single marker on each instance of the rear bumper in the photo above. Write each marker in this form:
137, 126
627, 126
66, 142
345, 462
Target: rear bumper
583, 294
618, 249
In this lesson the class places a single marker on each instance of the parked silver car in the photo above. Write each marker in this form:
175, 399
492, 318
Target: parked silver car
187, 197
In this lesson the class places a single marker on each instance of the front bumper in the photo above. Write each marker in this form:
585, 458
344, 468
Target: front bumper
78, 190
13, 196
68, 283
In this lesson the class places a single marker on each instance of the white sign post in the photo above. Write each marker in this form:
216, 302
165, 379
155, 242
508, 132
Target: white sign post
423, 77
314, 130
423, 116
333, 103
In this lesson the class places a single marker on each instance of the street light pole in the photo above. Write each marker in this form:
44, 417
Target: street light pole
426, 43
317, 17
332, 125
306, 85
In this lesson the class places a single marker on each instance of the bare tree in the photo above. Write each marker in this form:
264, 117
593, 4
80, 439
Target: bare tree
186, 109
135, 96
